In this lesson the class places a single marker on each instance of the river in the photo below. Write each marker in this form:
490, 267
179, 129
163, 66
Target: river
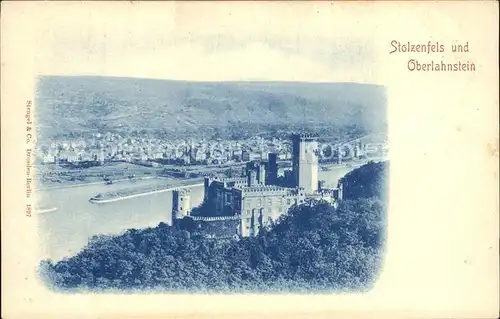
66, 231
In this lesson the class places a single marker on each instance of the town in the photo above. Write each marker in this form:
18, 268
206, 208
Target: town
118, 147
112, 156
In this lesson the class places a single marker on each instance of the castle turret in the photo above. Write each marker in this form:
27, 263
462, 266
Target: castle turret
181, 204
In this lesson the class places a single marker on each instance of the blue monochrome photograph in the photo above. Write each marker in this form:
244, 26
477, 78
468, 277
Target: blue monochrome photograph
160, 185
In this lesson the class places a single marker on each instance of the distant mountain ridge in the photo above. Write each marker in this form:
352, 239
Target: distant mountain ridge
79, 103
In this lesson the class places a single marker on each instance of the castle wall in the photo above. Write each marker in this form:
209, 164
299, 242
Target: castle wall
224, 199
261, 205
218, 227
261, 177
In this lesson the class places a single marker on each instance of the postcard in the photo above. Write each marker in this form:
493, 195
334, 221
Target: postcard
250, 159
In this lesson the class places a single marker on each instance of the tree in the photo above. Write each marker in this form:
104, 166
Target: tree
187, 224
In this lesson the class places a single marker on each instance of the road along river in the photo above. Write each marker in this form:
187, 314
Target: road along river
66, 230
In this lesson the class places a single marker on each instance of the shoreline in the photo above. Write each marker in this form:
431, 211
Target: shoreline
109, 198
83, 184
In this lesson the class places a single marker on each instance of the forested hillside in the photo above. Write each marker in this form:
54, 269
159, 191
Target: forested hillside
312, 248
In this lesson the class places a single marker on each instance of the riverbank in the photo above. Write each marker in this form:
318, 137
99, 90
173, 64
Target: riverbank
45, 210
134, 192
53, 176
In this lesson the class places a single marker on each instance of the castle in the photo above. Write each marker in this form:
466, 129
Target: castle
251, 201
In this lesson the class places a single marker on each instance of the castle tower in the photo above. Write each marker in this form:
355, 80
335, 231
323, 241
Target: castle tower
206, 186
272, 169
181, 203
340, 190
305, 162
252, 178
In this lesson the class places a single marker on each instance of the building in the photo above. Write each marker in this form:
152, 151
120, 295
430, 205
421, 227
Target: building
261, 205
256, 204
272, 169
245, 156
254, 156
181, 203
252, 199
305, 162
339, 155
49, 159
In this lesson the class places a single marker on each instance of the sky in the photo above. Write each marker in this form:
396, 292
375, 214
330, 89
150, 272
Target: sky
241, 42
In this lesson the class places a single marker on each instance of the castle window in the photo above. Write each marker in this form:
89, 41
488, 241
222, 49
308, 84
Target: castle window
259, 202
182, 199
269, 201
248, 211
288, 201
269, 210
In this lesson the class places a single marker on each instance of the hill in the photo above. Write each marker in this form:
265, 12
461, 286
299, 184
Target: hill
81, 103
